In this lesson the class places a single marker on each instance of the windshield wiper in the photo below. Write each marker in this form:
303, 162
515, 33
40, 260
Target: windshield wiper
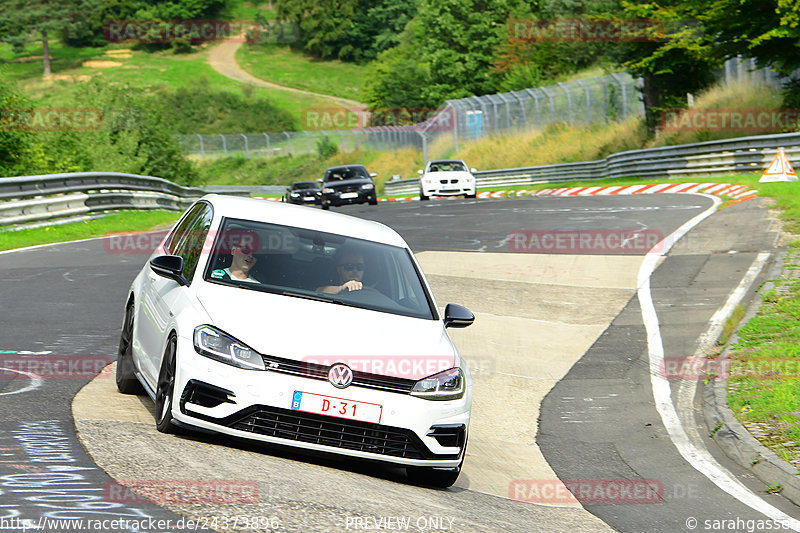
319, 298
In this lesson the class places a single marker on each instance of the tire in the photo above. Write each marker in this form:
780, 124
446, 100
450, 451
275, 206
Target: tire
373, 201
471, 195
433, 477
422, 196
125, 375
326, 206
165, 390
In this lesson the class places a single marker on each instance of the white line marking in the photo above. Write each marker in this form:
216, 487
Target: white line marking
700, 459
36, 382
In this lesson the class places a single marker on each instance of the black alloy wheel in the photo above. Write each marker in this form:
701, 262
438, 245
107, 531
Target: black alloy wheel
165, 390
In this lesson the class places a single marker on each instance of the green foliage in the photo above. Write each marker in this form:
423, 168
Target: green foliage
28, 20
257, 171
677, 61
13, 143
353, 30
202, 110
398, 78
91, 32
327, 148
135, 135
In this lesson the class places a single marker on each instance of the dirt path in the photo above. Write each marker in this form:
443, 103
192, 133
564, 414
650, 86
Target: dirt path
222, 58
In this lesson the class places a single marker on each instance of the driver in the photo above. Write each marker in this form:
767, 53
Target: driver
350, 269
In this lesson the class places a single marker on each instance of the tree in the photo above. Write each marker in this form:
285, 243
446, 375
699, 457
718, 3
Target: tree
351, 30
767, 30
43, 20
677, 58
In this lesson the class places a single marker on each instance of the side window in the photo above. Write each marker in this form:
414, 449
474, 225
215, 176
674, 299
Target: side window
179, 232
190, 247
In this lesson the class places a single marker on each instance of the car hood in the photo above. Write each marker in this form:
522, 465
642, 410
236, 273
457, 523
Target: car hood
326, 333
345, 183
448, 174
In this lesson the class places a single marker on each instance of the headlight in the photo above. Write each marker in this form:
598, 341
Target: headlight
328, 190
367, 186
447, 385
214, 344
295, 194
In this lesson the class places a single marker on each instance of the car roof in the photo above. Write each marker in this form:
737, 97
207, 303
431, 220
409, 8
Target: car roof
345, 166
446, 161
302, 217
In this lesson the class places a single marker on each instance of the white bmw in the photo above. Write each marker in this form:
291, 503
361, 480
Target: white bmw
298, 327
447, 177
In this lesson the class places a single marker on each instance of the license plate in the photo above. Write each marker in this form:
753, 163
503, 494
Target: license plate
347, 195
309, 198
338, 407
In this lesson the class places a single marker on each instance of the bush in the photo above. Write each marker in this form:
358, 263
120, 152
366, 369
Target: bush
326, 148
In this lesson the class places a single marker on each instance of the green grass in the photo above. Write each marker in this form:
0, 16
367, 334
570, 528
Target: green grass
248, 10
119, 222
149, 71
764, 387
284, 66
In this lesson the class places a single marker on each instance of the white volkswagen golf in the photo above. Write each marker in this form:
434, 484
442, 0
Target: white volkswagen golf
302, 328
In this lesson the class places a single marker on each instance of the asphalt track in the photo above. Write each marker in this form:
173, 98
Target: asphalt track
597, 420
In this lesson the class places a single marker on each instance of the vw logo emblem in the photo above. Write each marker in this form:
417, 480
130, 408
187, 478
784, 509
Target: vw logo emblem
340, 375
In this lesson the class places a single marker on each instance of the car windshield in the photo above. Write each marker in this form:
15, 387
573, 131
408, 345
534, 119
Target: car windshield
345, 173
312, 264
304, 185
448, 166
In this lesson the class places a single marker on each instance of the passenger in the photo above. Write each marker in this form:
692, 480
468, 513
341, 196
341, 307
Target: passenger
242, 259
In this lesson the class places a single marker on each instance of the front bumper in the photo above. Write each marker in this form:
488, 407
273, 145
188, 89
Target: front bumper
453, 189
345, 198
257, 405
304, 200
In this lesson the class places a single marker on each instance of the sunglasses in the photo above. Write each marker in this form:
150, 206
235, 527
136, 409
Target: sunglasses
352, 266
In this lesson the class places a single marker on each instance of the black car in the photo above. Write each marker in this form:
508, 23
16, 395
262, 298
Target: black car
348, 184
303, 192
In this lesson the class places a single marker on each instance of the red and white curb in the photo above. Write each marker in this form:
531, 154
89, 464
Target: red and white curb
739, 193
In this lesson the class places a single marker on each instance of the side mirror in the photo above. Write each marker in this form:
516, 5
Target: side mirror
319, 180
420, 172
170, 267
472, 170
373, 174
457, 316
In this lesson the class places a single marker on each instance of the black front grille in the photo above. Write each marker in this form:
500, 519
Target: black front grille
316, 371
348, 188
336, 432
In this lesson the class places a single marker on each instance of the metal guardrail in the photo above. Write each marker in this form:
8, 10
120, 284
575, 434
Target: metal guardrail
29, 199
729, 156
32, 199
